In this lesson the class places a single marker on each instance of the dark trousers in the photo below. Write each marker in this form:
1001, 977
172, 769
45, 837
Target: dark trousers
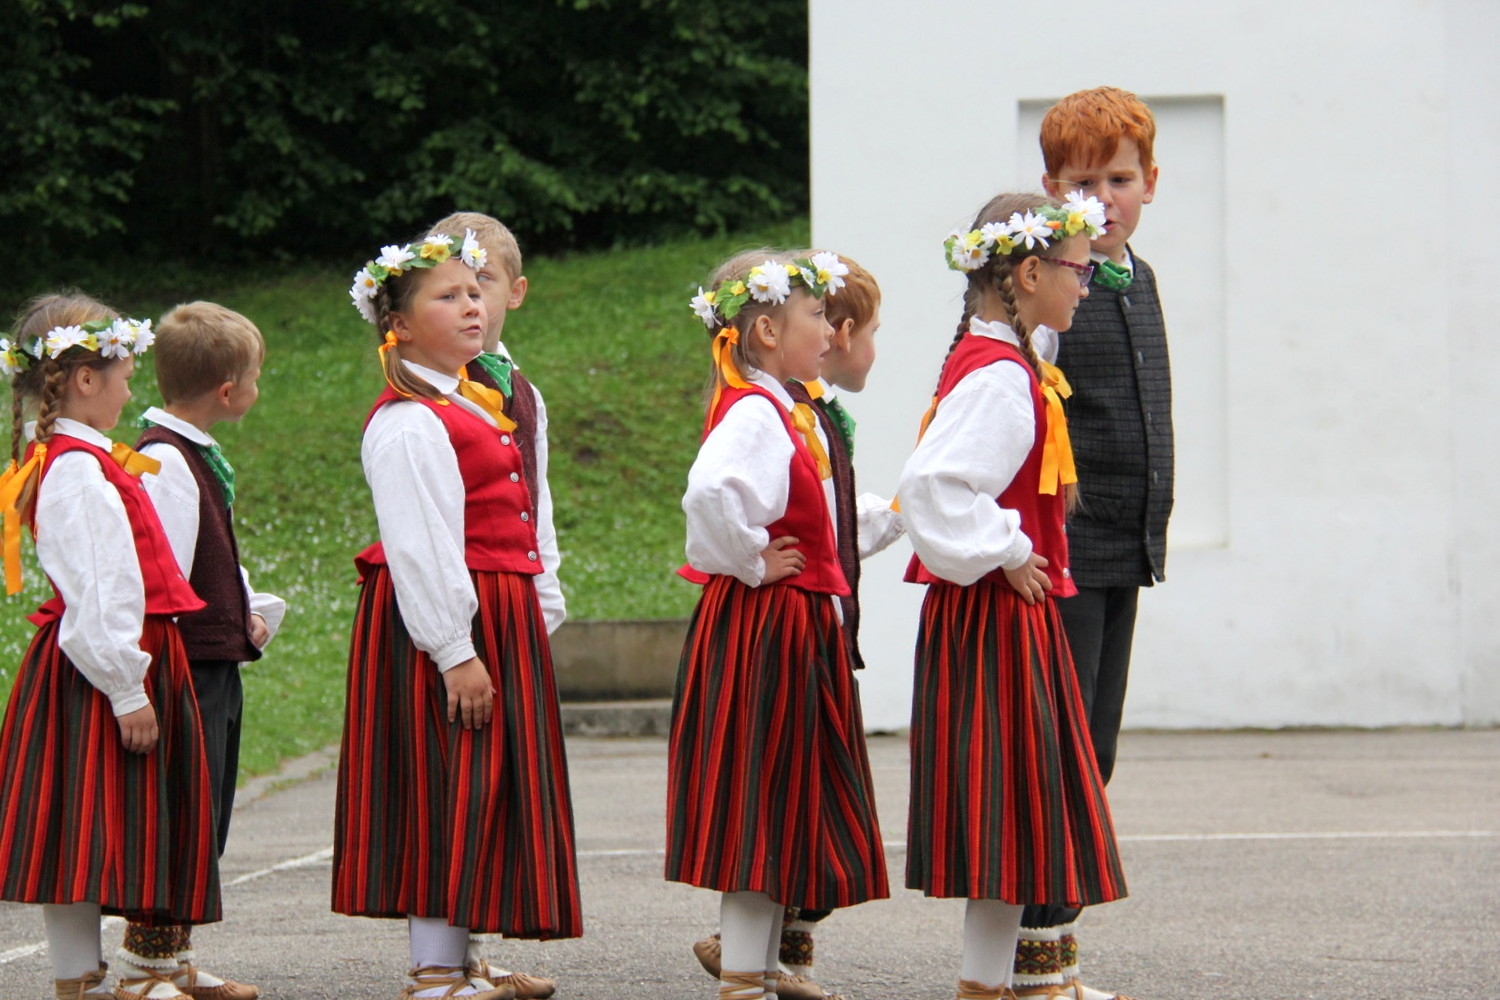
221, 701
1100, 623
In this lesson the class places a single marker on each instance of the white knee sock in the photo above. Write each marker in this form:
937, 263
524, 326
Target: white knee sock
73, 938
990, 930
749, 932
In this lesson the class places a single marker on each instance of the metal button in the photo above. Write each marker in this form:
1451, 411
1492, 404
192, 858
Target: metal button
531, 556
1140, 356
1067, 573
525, 516
515, 477
505, 439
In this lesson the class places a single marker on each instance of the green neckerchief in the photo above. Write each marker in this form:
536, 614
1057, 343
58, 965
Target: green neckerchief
499, 368
841, 420
217, 463
1116, 277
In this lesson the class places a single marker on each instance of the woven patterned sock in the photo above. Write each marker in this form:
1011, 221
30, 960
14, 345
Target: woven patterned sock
150, 947
1038, 958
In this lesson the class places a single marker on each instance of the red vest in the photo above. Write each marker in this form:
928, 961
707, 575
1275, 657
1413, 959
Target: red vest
499, 528
1043, 516
167, 591
806, 517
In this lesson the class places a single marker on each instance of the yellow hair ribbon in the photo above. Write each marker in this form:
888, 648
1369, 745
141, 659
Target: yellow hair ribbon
1057, 447
491, 401
806, 421
132, 461
726, 371
12, 484
385, 362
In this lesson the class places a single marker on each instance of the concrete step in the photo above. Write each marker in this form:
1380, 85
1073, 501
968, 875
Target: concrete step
651, 717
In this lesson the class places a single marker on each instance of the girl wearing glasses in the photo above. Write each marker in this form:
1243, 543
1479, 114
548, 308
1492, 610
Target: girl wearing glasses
1007, 806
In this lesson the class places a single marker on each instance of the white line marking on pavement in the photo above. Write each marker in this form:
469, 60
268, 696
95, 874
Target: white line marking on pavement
281, 866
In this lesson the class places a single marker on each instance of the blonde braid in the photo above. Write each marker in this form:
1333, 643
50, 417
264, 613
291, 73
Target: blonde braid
1005, 288
17, 420
54, 379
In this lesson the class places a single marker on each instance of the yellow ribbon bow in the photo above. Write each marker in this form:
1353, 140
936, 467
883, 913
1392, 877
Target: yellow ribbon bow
1057, 447
806, 421
12, 484
132, 461
491, 401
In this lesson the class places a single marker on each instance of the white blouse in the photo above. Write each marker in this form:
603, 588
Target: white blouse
86, 547
174, 493
879, 525
977, 441
410, 465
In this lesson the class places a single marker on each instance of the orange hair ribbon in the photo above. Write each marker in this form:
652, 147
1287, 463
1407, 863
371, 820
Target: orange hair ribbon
725, 370
12, 483
385, 363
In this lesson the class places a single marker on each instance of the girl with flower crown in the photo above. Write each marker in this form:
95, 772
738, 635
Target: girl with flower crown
104, 787
1007, 806
453, 809
769, 796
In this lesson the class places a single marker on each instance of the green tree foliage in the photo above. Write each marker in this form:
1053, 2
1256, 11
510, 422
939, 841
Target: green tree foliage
246, 125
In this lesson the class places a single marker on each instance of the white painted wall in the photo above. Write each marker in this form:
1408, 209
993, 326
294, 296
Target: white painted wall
1334, 550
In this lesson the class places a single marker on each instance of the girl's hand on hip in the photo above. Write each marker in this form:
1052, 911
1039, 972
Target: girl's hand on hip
471, 696
138, 730
1028, 580
781, 560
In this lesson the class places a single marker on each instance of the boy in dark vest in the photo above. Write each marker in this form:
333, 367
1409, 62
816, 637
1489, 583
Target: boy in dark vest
1099, 142
865, 524
208, 361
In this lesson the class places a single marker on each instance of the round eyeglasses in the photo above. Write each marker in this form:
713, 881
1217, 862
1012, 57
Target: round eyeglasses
1085, 271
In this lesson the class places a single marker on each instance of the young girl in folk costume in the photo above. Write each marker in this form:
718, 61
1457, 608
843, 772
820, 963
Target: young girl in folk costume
452, 811
105, 803
769, 794
1007, 806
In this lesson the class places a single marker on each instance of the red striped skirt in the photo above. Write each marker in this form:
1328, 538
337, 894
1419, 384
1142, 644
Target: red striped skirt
434, 820
769, 784
82, 819
1006, 800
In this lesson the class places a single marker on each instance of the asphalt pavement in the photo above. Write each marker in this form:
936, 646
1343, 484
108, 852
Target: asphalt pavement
1298, 865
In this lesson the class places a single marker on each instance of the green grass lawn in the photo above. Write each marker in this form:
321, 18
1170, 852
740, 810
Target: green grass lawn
622, 363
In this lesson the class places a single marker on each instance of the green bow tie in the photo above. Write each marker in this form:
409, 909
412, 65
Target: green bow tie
841, 420
1116, 277
499, 368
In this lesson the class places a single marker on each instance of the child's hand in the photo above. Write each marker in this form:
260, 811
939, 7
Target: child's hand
781, 560
470, 693
138, 730
1028, 579
260, 632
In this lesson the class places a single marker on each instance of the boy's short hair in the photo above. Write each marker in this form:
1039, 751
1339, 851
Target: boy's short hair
1087, 127
857, 300
200, 346
492, 234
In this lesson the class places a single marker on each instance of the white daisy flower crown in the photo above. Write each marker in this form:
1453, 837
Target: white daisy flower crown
112, 338
972, 250
770, 283
394, 260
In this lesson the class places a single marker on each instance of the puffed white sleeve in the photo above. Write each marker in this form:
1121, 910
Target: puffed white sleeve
174, 494
272, 609
548, 587
738, 486
975, 445
419, 505
879, 525
85, 545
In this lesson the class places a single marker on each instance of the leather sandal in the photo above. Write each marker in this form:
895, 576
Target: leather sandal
455, 978
78, 989
226, 990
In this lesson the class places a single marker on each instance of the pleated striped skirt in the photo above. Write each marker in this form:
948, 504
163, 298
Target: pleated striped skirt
82, 819
434, 820
1006, 800
769, 784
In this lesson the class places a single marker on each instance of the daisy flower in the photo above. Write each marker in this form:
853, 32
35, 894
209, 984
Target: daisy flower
394, 258
362, 293
769, 282
473, 254
830, 269
60, 338
144, 336
437, 248
703, 305
1031, 229
115, 340
10, 358
967, 251
1089, 210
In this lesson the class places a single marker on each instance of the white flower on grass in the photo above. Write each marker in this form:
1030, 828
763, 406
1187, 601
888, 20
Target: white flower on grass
362, 293
394, 258
144, 336
830, 270
474, 255
115, 340
1030, 229
769, 282
703, 305
60, 338
437, 248
10, 358
1091, 210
